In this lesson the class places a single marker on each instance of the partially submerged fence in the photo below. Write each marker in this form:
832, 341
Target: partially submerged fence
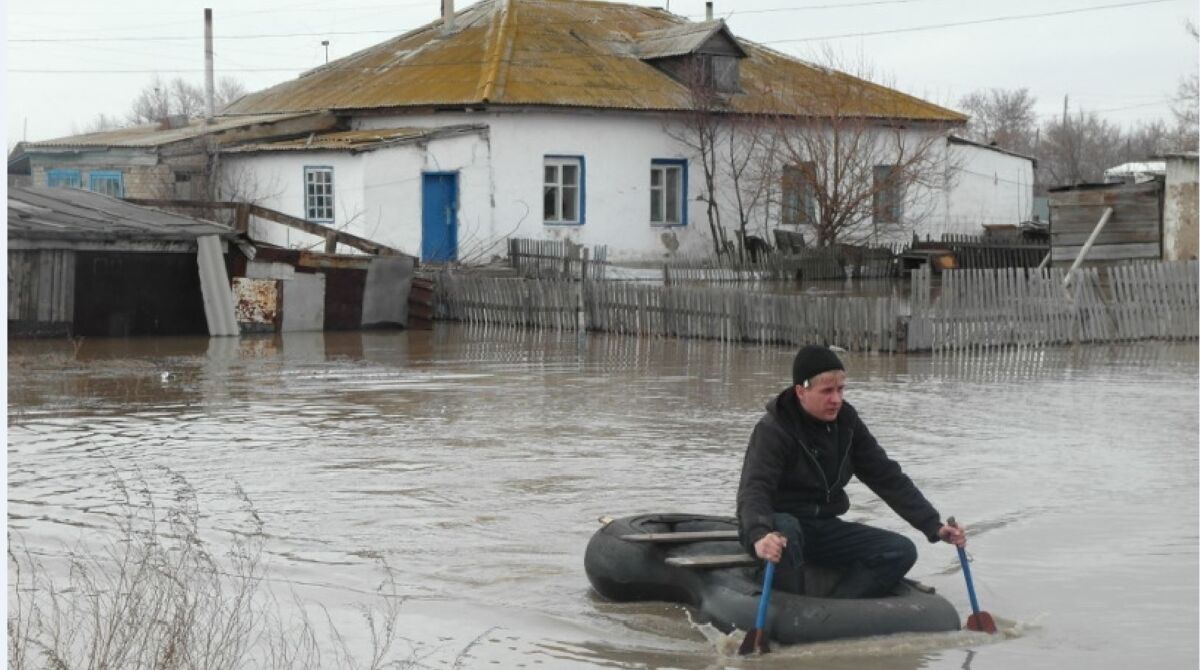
1019, 306
556, 258
861, 324
975, 251
973, 309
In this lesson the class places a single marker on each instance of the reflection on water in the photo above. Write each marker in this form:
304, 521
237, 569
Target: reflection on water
475, 461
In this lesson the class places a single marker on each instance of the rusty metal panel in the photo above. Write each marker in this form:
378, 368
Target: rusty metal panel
566, 54
257, 304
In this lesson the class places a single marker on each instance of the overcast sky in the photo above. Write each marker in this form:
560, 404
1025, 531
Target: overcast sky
68, 61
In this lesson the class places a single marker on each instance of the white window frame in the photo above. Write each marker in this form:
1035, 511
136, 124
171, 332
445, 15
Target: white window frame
562, 192
318, 193
670, 173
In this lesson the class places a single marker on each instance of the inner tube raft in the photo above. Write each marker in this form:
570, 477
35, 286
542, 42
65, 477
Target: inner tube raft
623, 566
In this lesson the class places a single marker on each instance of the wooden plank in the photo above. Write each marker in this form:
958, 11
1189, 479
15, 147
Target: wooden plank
1107, 252
715, 561
693, 536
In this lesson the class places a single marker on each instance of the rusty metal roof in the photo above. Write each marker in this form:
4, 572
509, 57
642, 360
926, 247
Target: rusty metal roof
357, 140
152, 135
75, 215
572, 53
678, 40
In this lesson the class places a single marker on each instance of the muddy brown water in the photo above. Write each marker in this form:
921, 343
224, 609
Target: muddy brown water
475, 462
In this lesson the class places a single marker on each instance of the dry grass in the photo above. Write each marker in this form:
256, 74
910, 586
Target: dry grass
154, 594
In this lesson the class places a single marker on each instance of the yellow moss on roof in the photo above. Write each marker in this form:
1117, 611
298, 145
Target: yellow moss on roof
575, 53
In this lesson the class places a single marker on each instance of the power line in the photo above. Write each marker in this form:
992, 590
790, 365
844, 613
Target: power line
400, 31
955, 24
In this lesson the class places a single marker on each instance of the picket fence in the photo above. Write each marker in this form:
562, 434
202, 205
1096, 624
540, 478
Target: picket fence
970, 309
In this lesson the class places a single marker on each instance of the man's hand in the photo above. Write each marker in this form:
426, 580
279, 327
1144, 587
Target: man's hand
770, 547
953, 534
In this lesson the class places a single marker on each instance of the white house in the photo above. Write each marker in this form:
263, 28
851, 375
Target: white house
556, 119
579, 120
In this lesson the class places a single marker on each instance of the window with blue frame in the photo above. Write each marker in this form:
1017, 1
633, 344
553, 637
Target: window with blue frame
668, 192
67, 178
563, 190
318, 193
108, 182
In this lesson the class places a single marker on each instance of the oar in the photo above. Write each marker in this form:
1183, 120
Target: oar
756, 638
978, 621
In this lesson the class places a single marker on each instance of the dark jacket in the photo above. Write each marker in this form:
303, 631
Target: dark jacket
800, 465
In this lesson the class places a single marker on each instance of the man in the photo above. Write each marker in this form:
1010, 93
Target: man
801, 455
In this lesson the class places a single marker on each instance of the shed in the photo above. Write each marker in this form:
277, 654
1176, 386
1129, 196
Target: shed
1133, 231
83, 263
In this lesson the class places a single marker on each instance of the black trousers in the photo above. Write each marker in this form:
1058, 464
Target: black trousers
874, 559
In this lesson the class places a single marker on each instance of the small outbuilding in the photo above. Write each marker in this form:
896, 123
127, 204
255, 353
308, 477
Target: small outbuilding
1133, 231
83, 263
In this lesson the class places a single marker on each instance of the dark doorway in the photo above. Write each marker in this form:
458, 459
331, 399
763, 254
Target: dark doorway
121, 294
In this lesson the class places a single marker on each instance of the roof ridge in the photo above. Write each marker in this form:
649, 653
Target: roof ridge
499, 51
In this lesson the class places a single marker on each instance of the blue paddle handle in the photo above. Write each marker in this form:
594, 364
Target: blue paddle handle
966, 566
760, 621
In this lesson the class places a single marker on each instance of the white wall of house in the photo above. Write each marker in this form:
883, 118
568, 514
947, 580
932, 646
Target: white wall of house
617, 150
988, 188
377, 194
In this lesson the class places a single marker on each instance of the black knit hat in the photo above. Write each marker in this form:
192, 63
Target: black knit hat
811, 361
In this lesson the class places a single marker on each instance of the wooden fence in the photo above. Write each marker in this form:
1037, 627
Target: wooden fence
972, 309
556, 259
1020, 306
975, 251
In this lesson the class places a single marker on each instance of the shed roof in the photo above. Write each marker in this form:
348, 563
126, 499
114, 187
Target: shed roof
153, 135
566, 53
75, 215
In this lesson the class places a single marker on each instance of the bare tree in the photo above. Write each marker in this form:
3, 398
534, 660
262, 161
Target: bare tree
867, 175
1186, 107
1003, 116
701, 129
1077, 149
178, 97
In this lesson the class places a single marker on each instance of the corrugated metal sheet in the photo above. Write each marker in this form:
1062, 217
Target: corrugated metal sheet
356, 140
151, 135
69, 214
565, 53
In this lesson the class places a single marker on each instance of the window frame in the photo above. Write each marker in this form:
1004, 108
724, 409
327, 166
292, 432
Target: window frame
887, 201
309, 206
798, 201
107, 175
580, 165
66, 178
666, 165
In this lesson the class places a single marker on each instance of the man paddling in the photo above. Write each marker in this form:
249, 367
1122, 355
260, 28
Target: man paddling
801, 455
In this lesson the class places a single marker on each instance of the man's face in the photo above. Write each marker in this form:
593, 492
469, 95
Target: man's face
823, 396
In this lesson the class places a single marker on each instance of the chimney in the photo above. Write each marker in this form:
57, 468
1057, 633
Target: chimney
208, 66
447, 17
708, 11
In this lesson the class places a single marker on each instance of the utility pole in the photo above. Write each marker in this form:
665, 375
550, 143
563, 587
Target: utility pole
208, 66
1065, 111
325, 43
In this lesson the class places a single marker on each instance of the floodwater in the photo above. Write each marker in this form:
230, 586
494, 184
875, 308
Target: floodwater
476, 462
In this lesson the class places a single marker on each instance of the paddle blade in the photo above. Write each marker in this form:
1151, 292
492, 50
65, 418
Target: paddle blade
755, 640
981, 621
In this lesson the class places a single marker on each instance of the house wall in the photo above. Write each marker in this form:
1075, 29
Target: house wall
1180, 207
377, 194
988, 188
141, 174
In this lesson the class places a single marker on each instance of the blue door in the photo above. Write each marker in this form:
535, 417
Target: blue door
439, 216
